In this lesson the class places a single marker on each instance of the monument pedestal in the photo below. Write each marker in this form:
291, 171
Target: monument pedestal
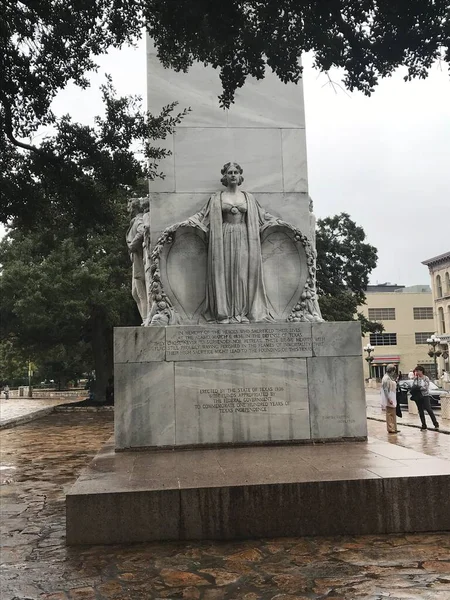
253, 492
184, 386
252, 404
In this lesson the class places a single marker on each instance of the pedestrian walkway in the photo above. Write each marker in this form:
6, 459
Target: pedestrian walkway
374, 412
16, 411
42, 459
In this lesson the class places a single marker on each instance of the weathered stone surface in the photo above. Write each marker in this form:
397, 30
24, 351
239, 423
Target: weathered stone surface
138, 344
144, 403
235, 401
336, 339
336, 397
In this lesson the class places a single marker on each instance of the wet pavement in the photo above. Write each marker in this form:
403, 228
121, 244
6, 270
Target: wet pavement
42, 459
16, 411
411, 420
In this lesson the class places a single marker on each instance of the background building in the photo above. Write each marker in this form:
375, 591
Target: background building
407, 316
439, 268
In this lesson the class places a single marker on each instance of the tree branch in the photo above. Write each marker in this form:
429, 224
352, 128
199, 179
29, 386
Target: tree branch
10, 132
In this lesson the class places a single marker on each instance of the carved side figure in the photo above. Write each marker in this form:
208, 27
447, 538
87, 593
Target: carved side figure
135, 240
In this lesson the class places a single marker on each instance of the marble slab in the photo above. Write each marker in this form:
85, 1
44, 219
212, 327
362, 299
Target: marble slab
144, 405
166, 166
259, 103
337, 339
268, 103
295, 172
241, 401
199, 90
257, 340
139, 344
337, 400
201, 152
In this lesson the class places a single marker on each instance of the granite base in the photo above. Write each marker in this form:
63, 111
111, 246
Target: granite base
242, 493
238, 384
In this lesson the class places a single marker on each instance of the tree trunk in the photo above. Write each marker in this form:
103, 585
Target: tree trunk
102, 350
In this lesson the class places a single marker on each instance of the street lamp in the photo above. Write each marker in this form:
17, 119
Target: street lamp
369, 349
434, 341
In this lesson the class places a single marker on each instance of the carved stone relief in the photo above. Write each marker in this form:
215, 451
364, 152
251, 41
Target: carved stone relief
232, 262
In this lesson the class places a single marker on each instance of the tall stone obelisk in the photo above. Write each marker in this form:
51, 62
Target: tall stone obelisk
264, 131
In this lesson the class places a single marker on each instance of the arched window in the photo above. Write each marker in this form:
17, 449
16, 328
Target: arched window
438, 286
447, 284
441, 320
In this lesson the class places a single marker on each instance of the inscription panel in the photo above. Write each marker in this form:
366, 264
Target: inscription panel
226, 401
261, 340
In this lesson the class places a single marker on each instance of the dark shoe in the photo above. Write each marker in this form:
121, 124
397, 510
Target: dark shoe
423, 428
437, 427
396, 431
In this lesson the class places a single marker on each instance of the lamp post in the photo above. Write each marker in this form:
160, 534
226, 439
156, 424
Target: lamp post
369, 349
434, 341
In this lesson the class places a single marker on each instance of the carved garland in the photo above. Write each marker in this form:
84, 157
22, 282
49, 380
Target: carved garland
161, 303
306, 309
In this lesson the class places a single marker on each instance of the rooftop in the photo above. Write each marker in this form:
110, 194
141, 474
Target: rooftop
437, 259
393, 287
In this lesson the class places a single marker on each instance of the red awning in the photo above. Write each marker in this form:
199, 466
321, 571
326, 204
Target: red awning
385, 359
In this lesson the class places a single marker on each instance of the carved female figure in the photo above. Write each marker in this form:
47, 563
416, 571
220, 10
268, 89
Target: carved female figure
235, 290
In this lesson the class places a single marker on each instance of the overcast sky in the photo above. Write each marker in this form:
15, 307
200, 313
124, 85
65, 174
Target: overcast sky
385, 159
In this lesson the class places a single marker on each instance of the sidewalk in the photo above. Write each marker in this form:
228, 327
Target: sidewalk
16, 411
375, 413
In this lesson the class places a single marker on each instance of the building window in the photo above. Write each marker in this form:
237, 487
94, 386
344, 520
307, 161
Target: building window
441, 320
447, 284
383, 339
423, 312
438, 286
382, 314
422, 336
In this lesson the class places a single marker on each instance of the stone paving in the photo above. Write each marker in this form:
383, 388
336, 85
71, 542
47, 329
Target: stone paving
16, 411
40, 461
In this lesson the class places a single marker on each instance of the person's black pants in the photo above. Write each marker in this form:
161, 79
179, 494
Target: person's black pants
424, 404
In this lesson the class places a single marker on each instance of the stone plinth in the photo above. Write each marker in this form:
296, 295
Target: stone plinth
238, 384
253, 492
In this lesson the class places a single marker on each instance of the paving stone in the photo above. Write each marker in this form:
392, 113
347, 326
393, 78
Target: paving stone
48, 455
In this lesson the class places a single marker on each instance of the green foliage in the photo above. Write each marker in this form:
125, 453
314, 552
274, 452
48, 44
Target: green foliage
63, 290
368, 39
47, 44
344, 263
76, 170
13, 363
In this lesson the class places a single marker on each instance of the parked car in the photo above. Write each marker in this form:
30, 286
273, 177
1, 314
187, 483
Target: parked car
434, 391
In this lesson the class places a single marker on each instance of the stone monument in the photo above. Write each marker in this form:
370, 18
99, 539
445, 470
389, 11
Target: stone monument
234, 348
234, 357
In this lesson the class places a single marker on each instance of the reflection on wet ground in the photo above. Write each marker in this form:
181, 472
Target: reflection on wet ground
41, 460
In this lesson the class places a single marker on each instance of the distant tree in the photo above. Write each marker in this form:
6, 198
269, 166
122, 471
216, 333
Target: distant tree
344, 263
13, 363
62, 292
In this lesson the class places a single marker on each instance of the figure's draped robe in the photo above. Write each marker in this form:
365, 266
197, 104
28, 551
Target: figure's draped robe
220, 304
